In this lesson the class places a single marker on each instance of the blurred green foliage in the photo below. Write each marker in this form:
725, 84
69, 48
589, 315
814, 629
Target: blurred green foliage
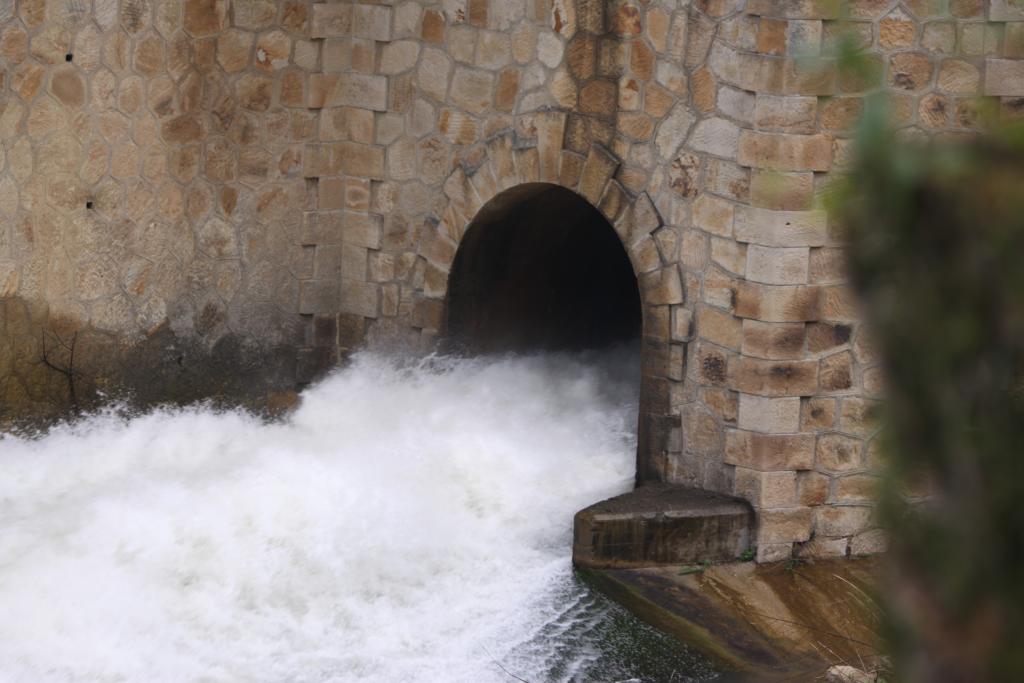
935, 235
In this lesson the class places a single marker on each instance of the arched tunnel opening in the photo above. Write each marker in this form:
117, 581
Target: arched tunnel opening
540, 268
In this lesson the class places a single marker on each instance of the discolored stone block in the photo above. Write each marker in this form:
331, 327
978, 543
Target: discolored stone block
785, 152
206, 17
773, 378
839, 453
777, 303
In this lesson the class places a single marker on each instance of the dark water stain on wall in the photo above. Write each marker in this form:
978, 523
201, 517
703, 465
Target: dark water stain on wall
52, 367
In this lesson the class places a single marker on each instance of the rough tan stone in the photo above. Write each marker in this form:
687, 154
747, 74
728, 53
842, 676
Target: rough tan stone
842, 521
433, 26
769, 415
813, 488
68, 87
598, 97
777, 266
766, 489
839, 453
719, 327
836, 372
897, 30
784, 524
774, 341
1004, 77
273, 50
206, 17
785, 152
910, 71
772, 303
472, 89
774, 378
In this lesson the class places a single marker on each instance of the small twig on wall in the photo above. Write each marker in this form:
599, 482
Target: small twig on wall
69, 370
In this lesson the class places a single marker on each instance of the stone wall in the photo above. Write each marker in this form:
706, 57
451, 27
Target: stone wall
301, 174
151, 197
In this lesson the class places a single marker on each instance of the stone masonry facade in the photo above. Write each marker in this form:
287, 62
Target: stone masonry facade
300, 174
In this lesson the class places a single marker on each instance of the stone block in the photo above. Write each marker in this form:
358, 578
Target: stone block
729, 254
773, 378
719, 327
774, 552
836, 373
857, 416
766, 489
662, 286
857, 488
682, 328
869, 543
838, 302
360, 298
809, 76
783, 152
959, 77
360, 160
911, 71
812, 488
205, 17
784, 525
777, 303
769, 452
598, 169
1004, 77
714, 215
839, 453
726, 178
319, 296
371, 21
769, 415
363, 230
825, 336
773, 341
331, 20
781, 191
777, 265
398, 56
357, 90
644, 255
1005, 10
842, 521
472, 89
748, 71
827, 266
433, 26
716, 136
661, 524
673, 131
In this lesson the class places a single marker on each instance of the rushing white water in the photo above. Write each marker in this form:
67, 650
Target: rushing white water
405, 524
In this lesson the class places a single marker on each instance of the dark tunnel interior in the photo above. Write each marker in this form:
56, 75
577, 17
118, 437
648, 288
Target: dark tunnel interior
541, 269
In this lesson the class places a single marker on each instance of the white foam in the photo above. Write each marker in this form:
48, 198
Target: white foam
406, 524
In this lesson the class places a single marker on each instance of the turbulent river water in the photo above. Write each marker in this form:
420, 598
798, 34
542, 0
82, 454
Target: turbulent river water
409, 522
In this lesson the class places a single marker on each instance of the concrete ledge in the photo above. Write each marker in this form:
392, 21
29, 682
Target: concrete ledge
661, 524
778, 622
